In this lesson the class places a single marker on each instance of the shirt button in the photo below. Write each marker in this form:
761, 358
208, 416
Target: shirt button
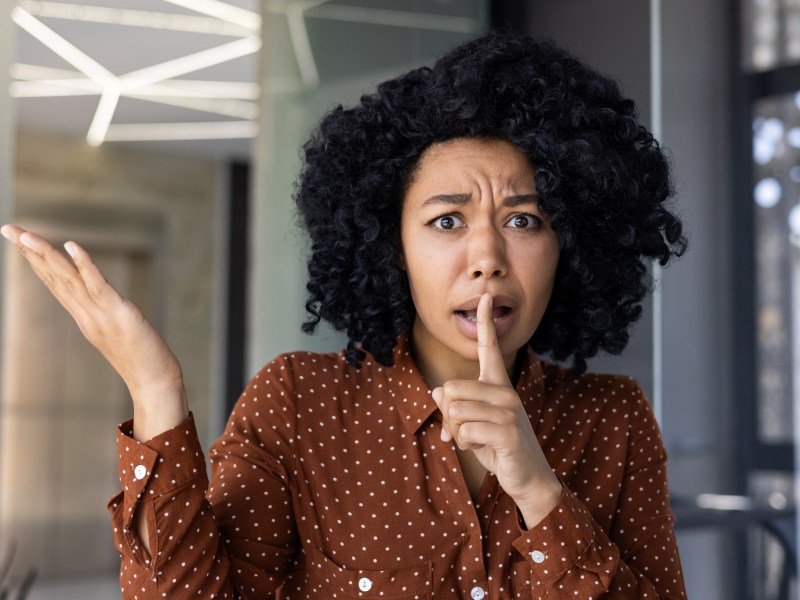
477, 593
365, 584
140, 471
537, 556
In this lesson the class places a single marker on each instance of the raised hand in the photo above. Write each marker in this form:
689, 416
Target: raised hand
487, 416
114, 326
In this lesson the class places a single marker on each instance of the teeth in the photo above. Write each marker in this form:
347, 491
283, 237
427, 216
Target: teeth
472, 316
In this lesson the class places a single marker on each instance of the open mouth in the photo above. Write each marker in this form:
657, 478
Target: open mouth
497, 313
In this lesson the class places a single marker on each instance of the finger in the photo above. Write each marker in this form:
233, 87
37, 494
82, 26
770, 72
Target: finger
476, 413
97, 286
57, 273
480, 391
492, 365
441, 402
474, 435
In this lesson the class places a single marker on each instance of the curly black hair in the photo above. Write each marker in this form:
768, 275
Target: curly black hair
601, 177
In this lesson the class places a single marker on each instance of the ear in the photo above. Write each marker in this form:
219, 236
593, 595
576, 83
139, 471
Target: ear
401, 261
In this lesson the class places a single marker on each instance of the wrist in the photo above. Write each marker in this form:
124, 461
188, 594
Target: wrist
542, 499
158, 408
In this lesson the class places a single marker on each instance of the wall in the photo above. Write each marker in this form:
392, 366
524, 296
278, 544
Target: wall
150, 220
613, 36
73, 182
351, 58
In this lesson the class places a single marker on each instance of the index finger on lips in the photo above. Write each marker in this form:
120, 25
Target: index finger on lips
490, 359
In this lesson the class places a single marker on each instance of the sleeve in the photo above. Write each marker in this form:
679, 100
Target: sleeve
232, 538
569, 552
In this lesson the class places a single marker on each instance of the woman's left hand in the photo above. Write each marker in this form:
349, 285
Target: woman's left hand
487, 417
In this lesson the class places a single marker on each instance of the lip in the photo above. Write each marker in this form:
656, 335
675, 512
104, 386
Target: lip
497, 300
502, 324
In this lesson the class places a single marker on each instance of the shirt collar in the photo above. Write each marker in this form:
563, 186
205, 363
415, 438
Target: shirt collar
412, 396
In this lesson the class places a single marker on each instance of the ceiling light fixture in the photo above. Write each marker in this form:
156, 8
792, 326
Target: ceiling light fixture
221, 10
304, 55
103, 115
30, 78
53, 88
112, 87
190, 63
219, 106
133, 18
151, 132
78, 59
394, 18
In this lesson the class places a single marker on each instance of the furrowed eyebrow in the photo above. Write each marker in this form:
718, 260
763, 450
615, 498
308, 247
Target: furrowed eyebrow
461, 199
519, 200
450, 199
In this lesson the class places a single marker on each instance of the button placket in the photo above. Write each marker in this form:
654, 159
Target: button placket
477, 593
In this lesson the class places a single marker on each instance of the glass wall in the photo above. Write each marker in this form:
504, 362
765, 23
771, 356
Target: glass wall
314, 59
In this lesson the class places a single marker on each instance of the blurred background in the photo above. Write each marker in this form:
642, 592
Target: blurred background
165, 134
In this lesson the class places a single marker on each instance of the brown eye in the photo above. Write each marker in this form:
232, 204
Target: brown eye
523, 222
447, 222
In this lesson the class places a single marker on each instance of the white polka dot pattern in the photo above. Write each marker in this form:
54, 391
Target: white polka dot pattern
333, 482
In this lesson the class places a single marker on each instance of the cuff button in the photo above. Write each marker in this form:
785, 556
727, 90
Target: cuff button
140, 472
365, 584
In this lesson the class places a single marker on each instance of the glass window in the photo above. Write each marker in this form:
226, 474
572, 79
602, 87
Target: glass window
771, 34
776, 192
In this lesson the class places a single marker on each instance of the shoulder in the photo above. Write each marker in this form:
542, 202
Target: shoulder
594, 385
302, 371
611, 397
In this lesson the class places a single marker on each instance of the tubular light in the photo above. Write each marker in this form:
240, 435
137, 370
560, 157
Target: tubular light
219, 130
62, 47
191, 62
223, 11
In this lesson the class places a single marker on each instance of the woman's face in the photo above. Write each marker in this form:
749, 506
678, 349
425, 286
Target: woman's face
471, 224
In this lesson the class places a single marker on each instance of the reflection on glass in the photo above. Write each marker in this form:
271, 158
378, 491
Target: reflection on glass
776, 138
773, 36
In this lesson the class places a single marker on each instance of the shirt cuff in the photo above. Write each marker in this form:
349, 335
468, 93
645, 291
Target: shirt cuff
153, 468
556, 543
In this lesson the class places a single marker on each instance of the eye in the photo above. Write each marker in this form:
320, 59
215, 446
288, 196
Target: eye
446, 222
524, 221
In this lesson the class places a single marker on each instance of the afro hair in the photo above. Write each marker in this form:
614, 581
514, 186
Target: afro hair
601, 178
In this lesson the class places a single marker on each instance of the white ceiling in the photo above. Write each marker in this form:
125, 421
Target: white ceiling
71, 56
122, 49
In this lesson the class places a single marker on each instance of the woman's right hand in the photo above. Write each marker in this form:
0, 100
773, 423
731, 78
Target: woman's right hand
114, 326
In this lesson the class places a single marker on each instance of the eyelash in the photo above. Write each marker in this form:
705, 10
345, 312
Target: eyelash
537, 222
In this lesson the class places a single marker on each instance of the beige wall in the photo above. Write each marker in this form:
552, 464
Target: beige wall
150, 220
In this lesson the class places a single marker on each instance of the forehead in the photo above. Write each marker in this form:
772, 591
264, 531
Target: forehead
460, 160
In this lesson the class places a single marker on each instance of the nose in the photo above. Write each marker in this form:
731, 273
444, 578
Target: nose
487, 254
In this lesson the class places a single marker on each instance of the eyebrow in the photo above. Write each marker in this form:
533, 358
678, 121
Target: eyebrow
460, 199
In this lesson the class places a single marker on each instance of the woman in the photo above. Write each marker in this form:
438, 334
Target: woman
462, 218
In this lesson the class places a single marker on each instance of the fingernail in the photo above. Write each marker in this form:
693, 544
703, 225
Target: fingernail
25, 240
437, 394
6, 231
70, 248
443, 435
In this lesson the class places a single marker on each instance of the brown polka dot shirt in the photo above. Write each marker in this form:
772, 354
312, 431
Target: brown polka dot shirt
333, 482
